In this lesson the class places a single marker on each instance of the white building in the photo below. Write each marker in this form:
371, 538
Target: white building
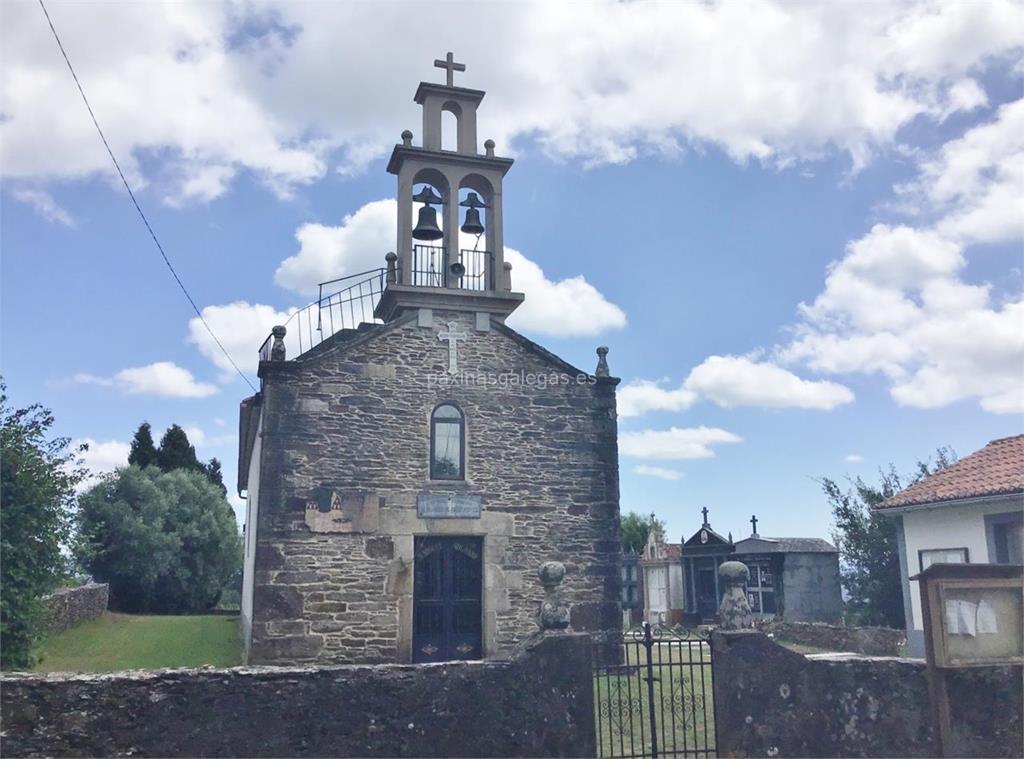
970, 512
663, 581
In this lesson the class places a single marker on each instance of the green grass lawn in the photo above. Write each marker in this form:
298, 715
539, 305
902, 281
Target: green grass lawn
128, 641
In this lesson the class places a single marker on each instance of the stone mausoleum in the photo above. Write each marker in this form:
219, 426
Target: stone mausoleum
410, 461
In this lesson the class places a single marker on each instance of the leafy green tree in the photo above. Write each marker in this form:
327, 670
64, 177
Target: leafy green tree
37, 492
143, 452
165, 541
868, 543
635, 529
176, 452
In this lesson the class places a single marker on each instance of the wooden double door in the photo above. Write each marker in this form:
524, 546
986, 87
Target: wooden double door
447, 598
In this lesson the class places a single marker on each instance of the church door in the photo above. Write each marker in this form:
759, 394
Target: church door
447, 611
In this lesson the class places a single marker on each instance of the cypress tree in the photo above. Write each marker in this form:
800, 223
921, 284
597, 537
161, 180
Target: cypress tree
143, 452
176, 452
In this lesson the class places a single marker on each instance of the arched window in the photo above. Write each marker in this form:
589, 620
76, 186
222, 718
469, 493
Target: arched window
447, 443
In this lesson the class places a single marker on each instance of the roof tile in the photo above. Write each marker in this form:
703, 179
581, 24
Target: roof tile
997, 469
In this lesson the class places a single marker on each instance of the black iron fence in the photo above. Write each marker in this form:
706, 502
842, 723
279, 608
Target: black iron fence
429, 266
653, 694
345, 308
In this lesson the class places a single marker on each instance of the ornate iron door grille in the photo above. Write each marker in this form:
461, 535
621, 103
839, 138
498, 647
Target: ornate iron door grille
653, 694
447, 587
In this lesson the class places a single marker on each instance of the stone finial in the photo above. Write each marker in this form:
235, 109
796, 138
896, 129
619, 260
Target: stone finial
277, 351
407, 138
508, 276
392, 260
602, 362
734, 612
489, 148
553, 615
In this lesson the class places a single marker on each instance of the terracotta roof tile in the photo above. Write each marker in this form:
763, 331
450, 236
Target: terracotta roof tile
997, 469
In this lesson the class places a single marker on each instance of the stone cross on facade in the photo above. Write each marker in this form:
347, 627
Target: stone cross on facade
704, 511
452, 336
450, 67
753, 524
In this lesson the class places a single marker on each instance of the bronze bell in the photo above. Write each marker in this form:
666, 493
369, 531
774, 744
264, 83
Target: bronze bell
426, 223
472, 225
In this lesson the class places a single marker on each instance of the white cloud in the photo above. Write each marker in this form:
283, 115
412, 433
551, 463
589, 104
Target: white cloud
739, 381
241, 327
640, 396
43, 204
325, 252
898, 302
213, 90
569, 307
674, 443
854, 458
101, 458
162, 378
662, 473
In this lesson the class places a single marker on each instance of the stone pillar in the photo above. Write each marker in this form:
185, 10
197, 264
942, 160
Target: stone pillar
553, 615
734, 612
391, 260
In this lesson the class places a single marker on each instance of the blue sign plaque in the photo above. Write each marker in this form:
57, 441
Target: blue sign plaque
448, 506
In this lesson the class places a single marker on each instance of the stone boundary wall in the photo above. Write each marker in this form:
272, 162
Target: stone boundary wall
70, 606
770, 701
871, 641
537, 703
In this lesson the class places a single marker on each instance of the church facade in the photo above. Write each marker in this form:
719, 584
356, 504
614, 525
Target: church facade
406, 475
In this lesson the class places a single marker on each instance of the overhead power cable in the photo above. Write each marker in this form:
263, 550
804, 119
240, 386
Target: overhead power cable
135, 202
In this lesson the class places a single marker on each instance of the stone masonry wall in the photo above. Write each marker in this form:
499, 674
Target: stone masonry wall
540, 703
770, 701
353, 417
70, 606
871, 641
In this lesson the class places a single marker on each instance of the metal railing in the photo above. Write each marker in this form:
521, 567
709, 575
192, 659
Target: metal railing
429, 267
345, 308
479, 265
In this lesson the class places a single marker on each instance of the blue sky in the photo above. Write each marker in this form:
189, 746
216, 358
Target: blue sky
804, 257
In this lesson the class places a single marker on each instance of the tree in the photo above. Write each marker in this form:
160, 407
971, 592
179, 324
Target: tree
37, 492
165, 541
214, 474
635, 529
176, 452
868, 542
143, 453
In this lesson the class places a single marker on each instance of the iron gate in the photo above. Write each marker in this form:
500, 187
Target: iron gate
653, 694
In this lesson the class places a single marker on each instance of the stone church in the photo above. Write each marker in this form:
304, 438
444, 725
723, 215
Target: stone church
410, 461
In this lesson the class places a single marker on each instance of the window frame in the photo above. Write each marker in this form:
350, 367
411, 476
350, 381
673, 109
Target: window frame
434, 421
922, 551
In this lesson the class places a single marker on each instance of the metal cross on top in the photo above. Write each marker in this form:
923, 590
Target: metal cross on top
704, 511
450, 67
753, 522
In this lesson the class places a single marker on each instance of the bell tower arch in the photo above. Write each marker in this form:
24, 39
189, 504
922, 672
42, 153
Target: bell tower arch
468, 251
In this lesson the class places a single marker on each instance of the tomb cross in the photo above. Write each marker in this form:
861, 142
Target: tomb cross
450, 67
452, 336
704, 511
753, 522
